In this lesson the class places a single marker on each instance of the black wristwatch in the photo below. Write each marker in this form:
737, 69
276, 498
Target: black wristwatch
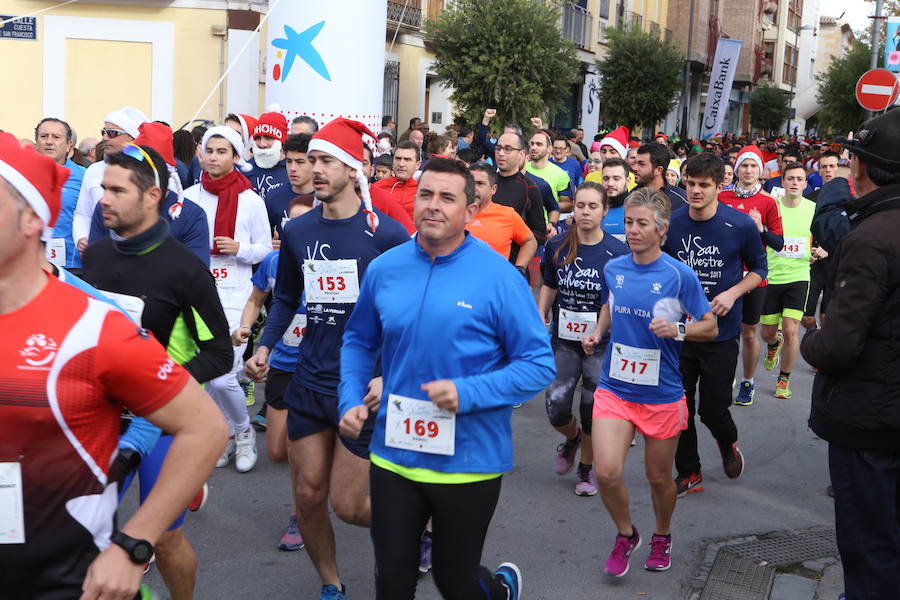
524, 272
139, 551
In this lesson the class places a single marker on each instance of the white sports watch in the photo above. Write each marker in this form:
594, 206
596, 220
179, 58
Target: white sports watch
682, 331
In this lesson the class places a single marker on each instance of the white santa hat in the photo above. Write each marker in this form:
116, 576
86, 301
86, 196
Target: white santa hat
128, 118
617, 139
233, 137
342, 139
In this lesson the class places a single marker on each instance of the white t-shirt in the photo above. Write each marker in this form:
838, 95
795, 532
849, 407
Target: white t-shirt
251, 230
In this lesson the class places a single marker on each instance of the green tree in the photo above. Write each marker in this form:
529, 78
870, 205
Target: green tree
640, 78
768, 108
507, 55
840, 111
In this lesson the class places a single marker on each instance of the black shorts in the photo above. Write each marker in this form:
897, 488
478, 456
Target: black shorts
784, 300
276, 383
310, 412
753, 305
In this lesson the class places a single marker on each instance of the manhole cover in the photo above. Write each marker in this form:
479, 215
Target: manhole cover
736, 578
788, 548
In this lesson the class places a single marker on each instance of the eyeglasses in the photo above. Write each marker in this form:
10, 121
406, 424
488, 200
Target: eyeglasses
595, 161
111, 133
507, 149
137, 153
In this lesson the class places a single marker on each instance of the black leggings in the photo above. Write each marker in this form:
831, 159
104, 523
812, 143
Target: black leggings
461, 514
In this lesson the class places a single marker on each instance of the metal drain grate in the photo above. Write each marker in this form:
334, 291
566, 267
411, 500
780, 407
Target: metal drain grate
789, 548
733, 577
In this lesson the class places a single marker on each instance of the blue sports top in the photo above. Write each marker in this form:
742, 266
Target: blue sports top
639, 366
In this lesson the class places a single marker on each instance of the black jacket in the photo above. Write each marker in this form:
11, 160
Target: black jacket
856, 394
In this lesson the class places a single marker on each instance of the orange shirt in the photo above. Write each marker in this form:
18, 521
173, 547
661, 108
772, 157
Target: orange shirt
499, 226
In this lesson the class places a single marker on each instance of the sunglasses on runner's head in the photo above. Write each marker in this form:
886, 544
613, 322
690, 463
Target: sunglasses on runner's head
111, 133
137, 153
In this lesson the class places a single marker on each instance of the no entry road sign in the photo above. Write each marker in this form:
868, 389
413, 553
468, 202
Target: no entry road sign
877, 89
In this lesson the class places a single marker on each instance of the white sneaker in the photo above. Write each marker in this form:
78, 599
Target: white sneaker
226, 455
245, 450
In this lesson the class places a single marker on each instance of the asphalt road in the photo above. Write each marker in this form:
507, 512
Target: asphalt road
558, 539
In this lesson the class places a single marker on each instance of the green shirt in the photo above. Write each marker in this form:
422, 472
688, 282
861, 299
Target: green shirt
791, 264
554, 176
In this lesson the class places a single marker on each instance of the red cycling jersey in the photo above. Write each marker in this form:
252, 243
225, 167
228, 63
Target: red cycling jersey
69, 366
765, 204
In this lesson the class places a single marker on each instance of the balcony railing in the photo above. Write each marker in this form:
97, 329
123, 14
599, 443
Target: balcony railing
654, 29
632, 20
407, 14
668, 36
576, 26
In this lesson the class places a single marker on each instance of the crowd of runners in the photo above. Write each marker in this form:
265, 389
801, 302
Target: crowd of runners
399, 296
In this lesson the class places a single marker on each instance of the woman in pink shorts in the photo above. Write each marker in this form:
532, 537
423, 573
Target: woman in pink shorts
655, 303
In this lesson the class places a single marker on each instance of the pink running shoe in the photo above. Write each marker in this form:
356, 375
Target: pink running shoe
617, 563
660, 558
565, 454
586, 485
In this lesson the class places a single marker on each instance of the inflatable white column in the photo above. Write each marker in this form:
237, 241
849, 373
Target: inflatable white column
326, 59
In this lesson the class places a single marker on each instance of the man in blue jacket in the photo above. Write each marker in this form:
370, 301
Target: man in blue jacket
460, 342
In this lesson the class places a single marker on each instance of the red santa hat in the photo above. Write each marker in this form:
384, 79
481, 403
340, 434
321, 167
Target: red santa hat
159, 137
38, 178
342, 139
233, 137
248, 124
617, 139
751, 152
273, 125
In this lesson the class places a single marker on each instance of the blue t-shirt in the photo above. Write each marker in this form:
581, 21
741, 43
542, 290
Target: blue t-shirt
572, 168
283, 356
772, 183
614, 222
579, 284
63, 227
265, 181
718, 250
277, 204
640, 367
313, 237
194, 173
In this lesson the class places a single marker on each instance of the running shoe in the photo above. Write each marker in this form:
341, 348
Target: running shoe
617, 563
689, 485
291, 540
565, 454
586, 484
510, 578
783, 388
245, 450
660, 558
773, 353
732, 460
745, 394
248, 386
200, 499
425, 553
145, 593
331, 592
259, 422
226, 455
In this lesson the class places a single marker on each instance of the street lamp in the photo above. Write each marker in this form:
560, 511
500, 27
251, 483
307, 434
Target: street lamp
796, 72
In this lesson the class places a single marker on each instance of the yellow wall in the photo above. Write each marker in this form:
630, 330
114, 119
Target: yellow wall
87, 102
108, 75
410, 90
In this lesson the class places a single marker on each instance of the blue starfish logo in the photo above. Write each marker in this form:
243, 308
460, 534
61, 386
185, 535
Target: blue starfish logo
299, 44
